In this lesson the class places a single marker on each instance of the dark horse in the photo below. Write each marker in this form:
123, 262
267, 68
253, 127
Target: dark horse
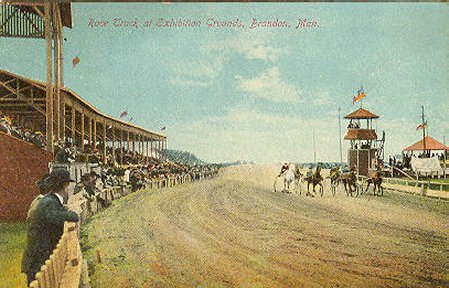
315, 179
376, 178
335, 175
349, 181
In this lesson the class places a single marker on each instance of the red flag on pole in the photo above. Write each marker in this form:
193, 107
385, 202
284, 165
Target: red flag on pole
421, 126
360, 95
124, 113
75, 61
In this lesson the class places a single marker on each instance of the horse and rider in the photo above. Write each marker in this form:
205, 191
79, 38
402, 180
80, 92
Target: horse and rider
314, 179
291, 174
349, 180
375, 177
335, 175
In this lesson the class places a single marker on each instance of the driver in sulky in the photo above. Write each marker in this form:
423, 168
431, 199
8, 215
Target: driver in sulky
283, 168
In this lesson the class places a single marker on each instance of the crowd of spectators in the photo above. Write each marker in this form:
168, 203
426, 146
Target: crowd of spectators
8, 126
136, 171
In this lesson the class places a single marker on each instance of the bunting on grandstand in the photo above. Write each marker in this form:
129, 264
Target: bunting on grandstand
360, 95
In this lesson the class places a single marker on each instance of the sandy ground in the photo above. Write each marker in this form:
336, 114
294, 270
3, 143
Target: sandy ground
234, 231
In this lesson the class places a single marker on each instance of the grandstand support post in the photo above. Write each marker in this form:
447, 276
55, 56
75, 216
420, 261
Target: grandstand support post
49, 88
127, 141
57, 103
63, 120
61, 73
90, 132
148, 149
121, 147
159, 149
104, 142
151, 148
94, 133
82, 131
134, 143
113, 145
140, 143
72, 125
56, 44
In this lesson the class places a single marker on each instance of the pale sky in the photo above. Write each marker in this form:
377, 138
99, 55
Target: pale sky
237, 93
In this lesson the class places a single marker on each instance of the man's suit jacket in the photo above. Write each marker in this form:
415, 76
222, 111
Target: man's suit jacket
45, 227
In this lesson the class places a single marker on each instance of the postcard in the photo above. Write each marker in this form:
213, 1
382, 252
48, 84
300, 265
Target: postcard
224, 144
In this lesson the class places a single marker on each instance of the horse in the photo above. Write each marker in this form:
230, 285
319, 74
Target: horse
315, 179
335, 178
349, 181
291, 175
376, 178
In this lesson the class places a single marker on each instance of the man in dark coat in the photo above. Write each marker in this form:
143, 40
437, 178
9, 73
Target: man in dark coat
46, 223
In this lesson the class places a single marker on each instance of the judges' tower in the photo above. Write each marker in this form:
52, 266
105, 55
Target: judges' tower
366, 150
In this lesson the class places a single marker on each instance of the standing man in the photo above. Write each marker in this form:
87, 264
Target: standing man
46, 223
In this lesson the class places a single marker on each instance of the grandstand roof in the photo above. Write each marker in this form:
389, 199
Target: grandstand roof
65, 8
431, 144
361, 114
33, 104
360, 134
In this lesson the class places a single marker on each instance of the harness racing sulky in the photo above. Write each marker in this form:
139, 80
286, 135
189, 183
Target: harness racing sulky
316, 180
291, 176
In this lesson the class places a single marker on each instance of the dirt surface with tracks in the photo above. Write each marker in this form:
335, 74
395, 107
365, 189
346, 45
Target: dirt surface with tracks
234, 231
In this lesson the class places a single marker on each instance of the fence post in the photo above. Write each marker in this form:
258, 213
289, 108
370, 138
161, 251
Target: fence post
47, 274
53, 273
38, 280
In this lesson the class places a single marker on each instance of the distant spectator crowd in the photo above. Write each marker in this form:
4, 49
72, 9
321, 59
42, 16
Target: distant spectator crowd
136, 171
8, 126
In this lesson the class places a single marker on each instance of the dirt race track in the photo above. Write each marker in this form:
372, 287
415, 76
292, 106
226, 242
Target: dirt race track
234, 231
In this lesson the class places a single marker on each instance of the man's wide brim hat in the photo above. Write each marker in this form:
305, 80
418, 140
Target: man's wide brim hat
58, 176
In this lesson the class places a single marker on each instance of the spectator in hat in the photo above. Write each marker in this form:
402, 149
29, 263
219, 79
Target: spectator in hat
46, 223
44, 188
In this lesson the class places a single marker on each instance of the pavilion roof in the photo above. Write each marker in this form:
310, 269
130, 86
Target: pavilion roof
431, 144
361, 114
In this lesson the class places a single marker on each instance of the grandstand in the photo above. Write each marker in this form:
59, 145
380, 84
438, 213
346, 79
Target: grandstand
82, 125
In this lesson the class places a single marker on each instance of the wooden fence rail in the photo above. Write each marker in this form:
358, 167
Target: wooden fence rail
64, 267
418, 187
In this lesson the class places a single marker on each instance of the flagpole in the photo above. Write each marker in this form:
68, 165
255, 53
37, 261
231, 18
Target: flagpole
423, 132
314, 150
339, 137
444, 155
